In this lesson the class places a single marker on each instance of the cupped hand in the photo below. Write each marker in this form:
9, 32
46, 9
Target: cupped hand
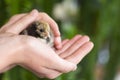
73, 50
36, 56
25, 19
28, 51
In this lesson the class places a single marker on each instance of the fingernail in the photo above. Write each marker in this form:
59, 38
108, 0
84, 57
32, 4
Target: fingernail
34, 12
58, 39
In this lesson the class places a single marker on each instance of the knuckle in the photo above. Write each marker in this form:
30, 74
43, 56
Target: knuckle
44, 14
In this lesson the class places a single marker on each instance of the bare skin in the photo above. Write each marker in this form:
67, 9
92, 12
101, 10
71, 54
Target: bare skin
35, 56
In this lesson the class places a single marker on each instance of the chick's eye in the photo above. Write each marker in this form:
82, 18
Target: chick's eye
41, 30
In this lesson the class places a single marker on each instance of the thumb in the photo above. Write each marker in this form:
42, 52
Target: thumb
22, 23
63, 66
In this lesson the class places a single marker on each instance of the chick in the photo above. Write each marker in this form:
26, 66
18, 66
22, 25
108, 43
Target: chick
40, 30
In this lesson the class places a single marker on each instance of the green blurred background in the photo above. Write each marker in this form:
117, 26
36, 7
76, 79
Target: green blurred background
100, 19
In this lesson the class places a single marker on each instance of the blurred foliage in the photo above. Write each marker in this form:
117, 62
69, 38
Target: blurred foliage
97, 18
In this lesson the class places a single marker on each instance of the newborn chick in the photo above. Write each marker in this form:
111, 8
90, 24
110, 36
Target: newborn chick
40, 30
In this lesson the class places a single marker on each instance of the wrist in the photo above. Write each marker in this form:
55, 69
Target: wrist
9, 56
5, 62
19, 54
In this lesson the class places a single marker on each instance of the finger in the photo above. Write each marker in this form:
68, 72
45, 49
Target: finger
65, 41
54, 27
37, 70
43, 72
80, 53
75, 46
52, 60
23, 22
11, 21
51, 22
68, 44
14, 19
49, 73
61, 65
57, 42
40, 71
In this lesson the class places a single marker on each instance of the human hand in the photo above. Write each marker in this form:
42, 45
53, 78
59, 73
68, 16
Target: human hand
28, 51
10, 35
73, 50
39, 17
